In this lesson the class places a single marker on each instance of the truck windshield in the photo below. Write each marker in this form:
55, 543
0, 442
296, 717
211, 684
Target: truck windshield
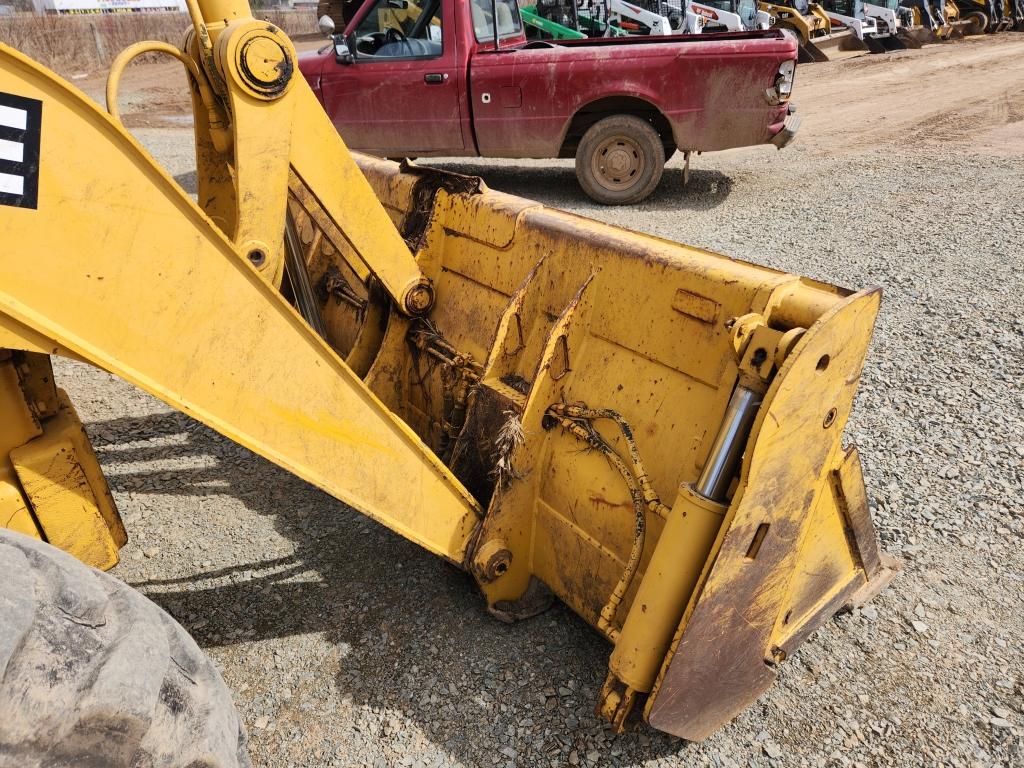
747, 9
401, 28
852, 8
509, 21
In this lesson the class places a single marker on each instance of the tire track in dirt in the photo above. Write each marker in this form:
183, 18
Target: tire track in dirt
964, 94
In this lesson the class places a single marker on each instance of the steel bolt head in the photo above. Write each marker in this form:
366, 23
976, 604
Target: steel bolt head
419, 299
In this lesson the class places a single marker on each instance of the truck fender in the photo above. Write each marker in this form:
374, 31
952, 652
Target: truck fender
619, 104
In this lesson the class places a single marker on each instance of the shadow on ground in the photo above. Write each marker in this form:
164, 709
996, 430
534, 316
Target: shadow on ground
556, 186
400, 623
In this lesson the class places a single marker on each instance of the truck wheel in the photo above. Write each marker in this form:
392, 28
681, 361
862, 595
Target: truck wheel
93, 674
620, 160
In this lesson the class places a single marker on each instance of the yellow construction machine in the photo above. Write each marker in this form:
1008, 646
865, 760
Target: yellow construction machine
813, 30
647, 431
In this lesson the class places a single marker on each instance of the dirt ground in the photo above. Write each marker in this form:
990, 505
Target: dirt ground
953, 97
345, 645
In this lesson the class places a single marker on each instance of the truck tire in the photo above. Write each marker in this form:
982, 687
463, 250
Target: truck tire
620, 160
92, 674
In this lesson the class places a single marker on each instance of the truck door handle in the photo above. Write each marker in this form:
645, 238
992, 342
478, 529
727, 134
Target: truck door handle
434, 78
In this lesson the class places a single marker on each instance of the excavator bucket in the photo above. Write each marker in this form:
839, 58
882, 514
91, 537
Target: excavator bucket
646, 431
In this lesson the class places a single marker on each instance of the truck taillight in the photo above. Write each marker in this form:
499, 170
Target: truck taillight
783, 87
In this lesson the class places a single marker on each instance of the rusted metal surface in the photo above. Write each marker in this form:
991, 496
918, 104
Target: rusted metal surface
425, 188
851, 498
756, 604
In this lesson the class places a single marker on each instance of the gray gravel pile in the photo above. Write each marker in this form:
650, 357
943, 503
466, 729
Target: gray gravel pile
346, 645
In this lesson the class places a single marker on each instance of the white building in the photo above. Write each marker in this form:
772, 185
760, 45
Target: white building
107, 6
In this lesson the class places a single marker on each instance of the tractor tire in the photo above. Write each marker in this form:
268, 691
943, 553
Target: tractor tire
620, 160
978, 23
94, 675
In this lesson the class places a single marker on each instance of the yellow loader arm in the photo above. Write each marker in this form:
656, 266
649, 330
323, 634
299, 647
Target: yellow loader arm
649, 432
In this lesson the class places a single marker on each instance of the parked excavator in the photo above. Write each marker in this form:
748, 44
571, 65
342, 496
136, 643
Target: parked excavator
648, 432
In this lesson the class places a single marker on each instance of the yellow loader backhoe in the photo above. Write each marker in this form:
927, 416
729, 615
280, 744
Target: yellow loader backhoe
647, 431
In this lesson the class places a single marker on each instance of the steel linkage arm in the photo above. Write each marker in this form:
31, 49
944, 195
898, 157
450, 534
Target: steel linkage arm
259, 131
113, 263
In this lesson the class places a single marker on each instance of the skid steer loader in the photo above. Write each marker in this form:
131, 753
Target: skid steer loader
649, 432
731, 16
935, 21
813, 29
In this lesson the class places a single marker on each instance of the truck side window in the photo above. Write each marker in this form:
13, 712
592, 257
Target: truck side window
406, 29
509, 21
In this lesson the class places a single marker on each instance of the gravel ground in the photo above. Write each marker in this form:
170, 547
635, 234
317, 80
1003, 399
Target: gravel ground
346, 645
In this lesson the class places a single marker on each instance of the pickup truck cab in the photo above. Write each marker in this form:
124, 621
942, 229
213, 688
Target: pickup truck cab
422, 78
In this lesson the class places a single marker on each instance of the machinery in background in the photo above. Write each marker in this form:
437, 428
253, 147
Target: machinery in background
814, 31
560, 20
731, 15
978, 17
895, 26
850, 14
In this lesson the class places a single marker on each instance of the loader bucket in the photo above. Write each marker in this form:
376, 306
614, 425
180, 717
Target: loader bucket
887, 44
833, 47
647, 431
916, 37
600, 348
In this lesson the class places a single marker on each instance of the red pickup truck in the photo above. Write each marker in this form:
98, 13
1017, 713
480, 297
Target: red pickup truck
413, 78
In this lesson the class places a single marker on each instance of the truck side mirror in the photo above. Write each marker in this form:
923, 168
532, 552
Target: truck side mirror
326, 25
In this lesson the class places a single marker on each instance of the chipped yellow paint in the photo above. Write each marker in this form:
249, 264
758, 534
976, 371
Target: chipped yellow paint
51, 485
64, 504
190, 320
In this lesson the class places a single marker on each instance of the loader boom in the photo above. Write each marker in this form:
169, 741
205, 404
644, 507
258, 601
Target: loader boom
647, 431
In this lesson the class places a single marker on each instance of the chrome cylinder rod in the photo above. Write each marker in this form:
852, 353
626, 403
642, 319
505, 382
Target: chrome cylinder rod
730, 441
